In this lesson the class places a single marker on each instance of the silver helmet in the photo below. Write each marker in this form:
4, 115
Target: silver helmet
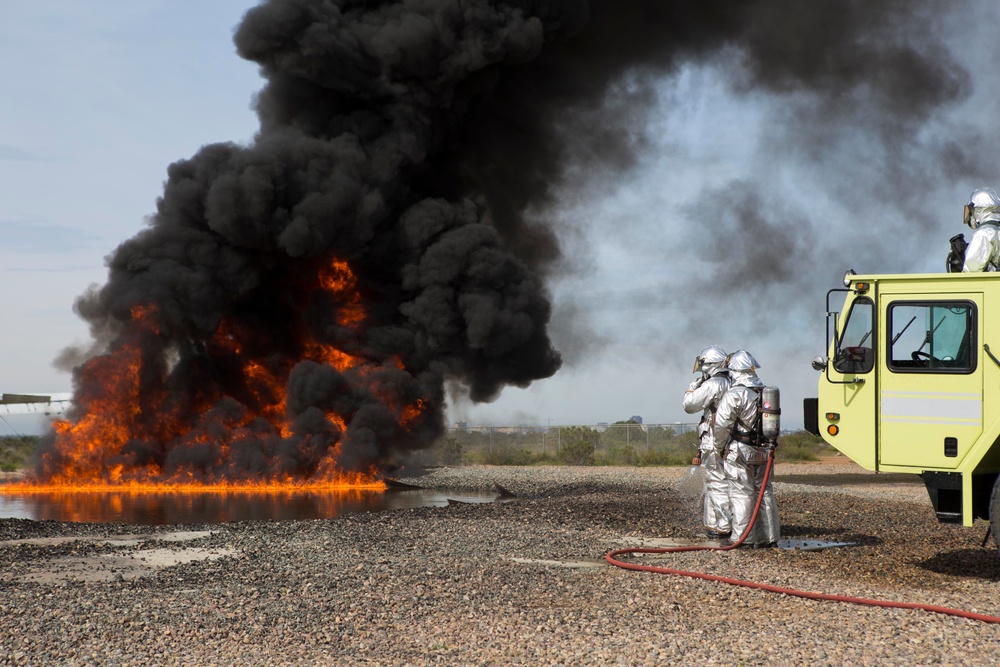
712, 358
983, 206
742, 361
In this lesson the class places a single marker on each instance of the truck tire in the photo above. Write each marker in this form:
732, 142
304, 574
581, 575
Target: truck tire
995, 512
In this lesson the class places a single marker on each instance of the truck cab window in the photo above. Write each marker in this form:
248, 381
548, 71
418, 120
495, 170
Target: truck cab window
932, 337
854, 351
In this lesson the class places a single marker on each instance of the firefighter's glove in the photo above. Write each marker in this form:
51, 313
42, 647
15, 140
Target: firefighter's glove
694, 385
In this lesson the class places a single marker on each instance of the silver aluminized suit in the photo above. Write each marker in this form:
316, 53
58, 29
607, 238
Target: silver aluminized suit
704, 395
737, 412
983, 215
983, 253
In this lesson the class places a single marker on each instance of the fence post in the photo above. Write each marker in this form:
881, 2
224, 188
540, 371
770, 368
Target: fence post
677, 428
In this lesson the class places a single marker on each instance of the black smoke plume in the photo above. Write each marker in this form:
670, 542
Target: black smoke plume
421, 143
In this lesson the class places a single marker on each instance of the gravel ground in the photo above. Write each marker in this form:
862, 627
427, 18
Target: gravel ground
514, 583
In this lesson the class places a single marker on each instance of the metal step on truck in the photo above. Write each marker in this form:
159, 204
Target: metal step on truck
910, 384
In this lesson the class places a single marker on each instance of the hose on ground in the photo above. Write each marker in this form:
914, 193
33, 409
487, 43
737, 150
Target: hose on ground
612, 558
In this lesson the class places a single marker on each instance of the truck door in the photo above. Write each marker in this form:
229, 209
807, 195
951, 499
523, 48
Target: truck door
847, 393
847, 389
931, 381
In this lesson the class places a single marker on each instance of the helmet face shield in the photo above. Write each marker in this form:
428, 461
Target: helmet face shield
709, 358
983, 206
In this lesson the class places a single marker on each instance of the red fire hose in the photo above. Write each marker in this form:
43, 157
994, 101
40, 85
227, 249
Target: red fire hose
612, 559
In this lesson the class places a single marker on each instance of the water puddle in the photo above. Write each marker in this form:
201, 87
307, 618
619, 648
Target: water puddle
214, 507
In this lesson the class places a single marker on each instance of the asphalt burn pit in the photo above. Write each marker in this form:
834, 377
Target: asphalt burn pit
214, 508
126, 560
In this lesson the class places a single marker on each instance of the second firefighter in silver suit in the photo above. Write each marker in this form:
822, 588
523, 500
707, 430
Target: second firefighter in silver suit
982, 214
745, 463
703, 396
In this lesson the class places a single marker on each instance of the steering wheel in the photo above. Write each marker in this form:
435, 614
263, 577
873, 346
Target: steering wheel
855, 353
923, 358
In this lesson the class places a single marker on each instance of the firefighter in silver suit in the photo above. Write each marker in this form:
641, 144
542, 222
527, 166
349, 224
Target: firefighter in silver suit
703, 395
982, 214
744, 462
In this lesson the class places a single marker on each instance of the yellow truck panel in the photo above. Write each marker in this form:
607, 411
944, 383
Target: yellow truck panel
911, 384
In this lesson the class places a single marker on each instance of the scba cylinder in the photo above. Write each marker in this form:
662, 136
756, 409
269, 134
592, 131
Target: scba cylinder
770, 408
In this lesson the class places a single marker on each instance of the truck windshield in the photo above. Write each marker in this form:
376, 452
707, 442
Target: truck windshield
931, 337
854, 352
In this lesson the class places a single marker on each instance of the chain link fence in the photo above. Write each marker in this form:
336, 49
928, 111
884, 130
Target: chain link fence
603, 444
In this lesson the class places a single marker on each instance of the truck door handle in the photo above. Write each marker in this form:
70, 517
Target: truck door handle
986, 348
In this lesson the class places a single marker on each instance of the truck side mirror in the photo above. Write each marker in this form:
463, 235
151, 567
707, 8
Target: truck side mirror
819, 363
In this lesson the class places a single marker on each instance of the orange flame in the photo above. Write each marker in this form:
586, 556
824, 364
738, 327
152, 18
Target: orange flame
339, 280
130, 425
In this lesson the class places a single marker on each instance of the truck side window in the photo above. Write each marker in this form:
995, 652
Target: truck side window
854, 353
932, 337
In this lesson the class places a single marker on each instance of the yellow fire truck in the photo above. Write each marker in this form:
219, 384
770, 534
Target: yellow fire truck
911, 385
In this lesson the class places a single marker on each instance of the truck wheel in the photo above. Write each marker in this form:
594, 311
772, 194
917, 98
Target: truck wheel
995, 512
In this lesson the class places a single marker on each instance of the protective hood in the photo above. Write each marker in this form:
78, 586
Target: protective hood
745, 379
983, 207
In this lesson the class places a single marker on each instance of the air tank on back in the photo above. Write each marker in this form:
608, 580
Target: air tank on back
770, 413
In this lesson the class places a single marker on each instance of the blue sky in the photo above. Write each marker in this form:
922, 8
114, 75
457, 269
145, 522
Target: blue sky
99, 98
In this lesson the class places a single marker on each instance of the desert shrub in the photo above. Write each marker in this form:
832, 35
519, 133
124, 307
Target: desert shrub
15, 450
801, 446
622, 455
672, 456
577, 453
687, 439
510, 456
448, 451
571, 434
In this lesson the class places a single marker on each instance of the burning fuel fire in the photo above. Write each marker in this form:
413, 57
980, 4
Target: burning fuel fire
196, 504
134, 435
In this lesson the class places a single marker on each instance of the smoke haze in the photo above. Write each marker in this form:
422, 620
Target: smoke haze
429, 145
